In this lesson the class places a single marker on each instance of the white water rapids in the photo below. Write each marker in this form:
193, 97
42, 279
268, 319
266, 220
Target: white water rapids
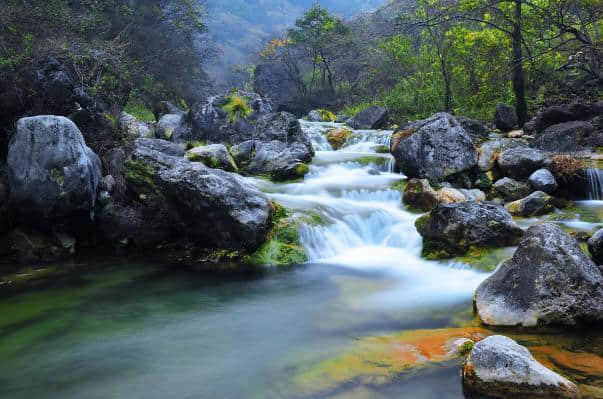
366, 227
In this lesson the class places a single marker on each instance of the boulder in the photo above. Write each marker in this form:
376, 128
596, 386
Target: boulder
342, 118
24, 246
490, 150
520, 163
454, 229
575, 111
371, 118
167, 125
595, 247
272, 80
132, 128
499, 367
279, 148
214, 208
543, 180
535, 204
338, 137
419, 194
314, 116
129, 226
478, 130
163, 108
214, 155
510, 189
4, 204
505, 118
434, 149
475, 194
548, 281
573, 136
52, 174
209, 121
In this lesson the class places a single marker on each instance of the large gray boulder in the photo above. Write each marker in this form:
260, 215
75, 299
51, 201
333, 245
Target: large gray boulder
272, 80
132, 128
167, 125
214, 155
559, 114
520, 163
278, 148
52, 174
548, 281
510, 189
499, 367
434, 149
505, 118
209, 121
595, 247
454, 229
573, 136
374, 117
214, 208
536, 204
314, 116
543, 180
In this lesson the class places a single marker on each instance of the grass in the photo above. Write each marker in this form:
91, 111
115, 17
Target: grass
355, 109
139, 110
237, 108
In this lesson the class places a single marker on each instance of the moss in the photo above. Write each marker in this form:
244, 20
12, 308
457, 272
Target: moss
236, 108
466, 348
366, 161
422, 222
314, 220
57, 176
382, 149
326, 115
400, 185
141, 176
302, 169
338, 137
139, 110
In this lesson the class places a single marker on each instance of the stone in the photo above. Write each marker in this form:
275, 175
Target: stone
434, 149
53, 176
595, 247
520, 163
543, 180
515, 134
548, 281
510, 189
314, 116
505, 118
499, 367
374, 117
454, 229
478, 130
167, 125
132, 128
558, 114
214, 155
272, 80
536, 204
573, 136
338, 137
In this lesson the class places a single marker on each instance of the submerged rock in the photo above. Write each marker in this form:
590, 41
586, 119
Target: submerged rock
510, 189
434, 149
543, 180
549, 280
595, 247
535, 204
505, 118
52, 174
454, 229
520, 163
214, 155
499, 367
372, 118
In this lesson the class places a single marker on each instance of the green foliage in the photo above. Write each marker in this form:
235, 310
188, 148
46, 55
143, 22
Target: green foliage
138, 109
141, 176
466, 348
237, 108
326, 115
355, 109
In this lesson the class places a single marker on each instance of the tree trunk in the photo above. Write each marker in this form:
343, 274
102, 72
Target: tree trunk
519, 85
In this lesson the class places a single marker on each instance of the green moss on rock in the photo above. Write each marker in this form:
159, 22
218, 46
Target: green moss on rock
141, 176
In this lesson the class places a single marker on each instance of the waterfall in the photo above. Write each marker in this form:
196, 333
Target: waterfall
594, 178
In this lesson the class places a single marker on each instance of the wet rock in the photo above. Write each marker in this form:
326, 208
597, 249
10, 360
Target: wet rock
212, 207
475, 195
543, 180
342, 118
419, 194
595, 247
515, 134
505, 118
510, 189
535, 204
372, 118
454, 229
499, 367
167, 125
314, 116
573, 136
53, 176
519, 163
214, 155
575, 111
338, 137
478, 130
434, 149
129, 226
4, 204
132, 128
548, 281
24, 246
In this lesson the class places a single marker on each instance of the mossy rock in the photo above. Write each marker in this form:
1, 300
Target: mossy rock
141, 177
326, 115
382, 149
338, 137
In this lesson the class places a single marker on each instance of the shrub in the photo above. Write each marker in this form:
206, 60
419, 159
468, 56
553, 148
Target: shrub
566, 167
237, 108
326, 115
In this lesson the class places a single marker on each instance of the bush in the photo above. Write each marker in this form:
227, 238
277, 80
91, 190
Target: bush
237, 108
566, 167
326, 115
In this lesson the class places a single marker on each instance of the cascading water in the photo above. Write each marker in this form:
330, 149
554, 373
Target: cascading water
365, 227
594, 179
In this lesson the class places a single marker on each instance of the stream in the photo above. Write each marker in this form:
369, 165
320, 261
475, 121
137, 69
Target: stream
362, 319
